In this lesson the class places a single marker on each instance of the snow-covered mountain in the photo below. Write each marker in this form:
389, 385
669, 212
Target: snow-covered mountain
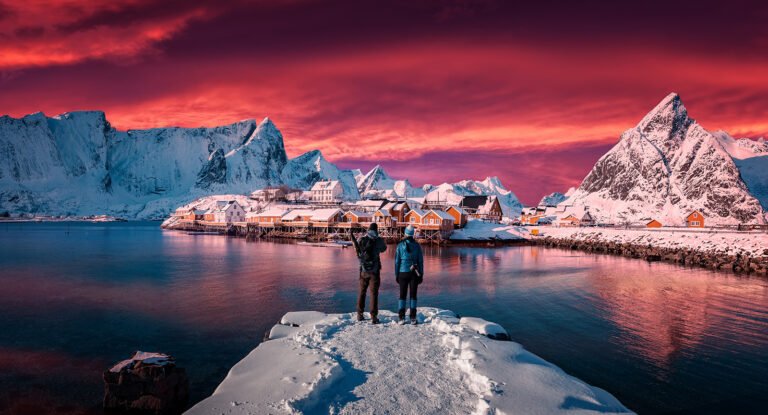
452, 193
664, 168
307, 169
77, 164
378, 184
552, 199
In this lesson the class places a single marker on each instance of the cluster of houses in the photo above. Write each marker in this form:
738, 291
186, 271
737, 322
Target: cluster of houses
322, 207
563, 215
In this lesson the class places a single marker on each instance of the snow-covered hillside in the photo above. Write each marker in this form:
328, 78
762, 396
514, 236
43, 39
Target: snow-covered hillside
77, 164
665, 168
751, 158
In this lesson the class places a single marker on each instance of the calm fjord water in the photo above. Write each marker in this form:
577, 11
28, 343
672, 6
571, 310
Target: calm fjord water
76, 297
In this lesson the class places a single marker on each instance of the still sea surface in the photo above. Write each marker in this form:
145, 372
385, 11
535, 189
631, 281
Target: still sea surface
78, 297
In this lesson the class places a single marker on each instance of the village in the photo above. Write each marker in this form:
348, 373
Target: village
323, 214
563, 215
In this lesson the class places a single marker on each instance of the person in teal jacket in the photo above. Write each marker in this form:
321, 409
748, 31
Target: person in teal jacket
409, 272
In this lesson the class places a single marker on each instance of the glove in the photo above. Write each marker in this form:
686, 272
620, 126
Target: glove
419, 280
397, 277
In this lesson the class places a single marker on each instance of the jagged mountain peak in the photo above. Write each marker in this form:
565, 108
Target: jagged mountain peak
664, 168
665, 125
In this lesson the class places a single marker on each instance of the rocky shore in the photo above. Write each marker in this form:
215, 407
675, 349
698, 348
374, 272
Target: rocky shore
739, 262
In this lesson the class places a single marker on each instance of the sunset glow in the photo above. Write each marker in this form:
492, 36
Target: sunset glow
433, 91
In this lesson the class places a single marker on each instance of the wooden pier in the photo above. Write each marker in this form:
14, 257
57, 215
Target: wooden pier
311, 231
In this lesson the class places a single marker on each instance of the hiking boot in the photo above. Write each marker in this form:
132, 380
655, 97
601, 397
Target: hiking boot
360, 317
375, 320
401, 314
414, 321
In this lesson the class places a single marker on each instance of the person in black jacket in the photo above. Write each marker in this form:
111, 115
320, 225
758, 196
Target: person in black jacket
368, 248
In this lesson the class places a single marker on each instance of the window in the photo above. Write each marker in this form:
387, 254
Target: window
413, 219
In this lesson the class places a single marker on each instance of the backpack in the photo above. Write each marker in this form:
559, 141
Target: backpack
368, 254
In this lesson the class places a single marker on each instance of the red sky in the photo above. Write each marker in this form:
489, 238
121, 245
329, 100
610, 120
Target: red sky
533, 92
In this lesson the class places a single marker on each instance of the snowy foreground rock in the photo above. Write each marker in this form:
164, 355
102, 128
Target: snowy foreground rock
318, 363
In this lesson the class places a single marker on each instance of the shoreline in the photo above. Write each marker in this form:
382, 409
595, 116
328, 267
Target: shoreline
739, 261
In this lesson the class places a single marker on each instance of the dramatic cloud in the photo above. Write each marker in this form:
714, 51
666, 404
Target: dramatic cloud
398, 83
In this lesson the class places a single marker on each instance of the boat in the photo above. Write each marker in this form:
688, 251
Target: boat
325, 244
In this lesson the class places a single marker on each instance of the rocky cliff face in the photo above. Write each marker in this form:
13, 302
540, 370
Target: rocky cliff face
664, 168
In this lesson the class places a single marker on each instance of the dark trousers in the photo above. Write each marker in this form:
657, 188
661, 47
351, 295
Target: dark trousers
371, 281
408, 280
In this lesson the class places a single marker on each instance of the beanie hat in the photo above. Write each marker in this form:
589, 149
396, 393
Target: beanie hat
410, 230
373, 226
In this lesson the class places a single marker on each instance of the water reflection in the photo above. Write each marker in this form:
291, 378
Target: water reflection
660, 337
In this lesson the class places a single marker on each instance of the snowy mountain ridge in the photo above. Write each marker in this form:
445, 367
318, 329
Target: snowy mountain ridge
665, 168
77, 164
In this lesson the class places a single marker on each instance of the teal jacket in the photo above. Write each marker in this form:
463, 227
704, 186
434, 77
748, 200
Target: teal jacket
408, 253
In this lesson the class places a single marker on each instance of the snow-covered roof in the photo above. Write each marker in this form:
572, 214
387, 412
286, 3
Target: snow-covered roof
292, 215
359, 213
382, 212
442, 214
486, 208
370, 203
324, 185
458, 209
324, 214
272, 212
418, 212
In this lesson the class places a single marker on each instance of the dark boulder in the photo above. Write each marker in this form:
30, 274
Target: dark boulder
147, 383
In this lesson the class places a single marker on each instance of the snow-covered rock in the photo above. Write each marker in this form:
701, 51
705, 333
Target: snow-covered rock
333, 364
378, 184
665, 168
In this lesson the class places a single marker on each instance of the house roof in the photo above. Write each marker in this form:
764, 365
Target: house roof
458, 209
223, 205
324, 214
359, 213
695, 211
273, 211
418, 212
474, 202
292, 215
325, 184
442, 214
314, 215
370, 203
382, 212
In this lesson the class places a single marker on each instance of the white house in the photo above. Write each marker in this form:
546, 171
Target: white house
228, 211
327, 191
